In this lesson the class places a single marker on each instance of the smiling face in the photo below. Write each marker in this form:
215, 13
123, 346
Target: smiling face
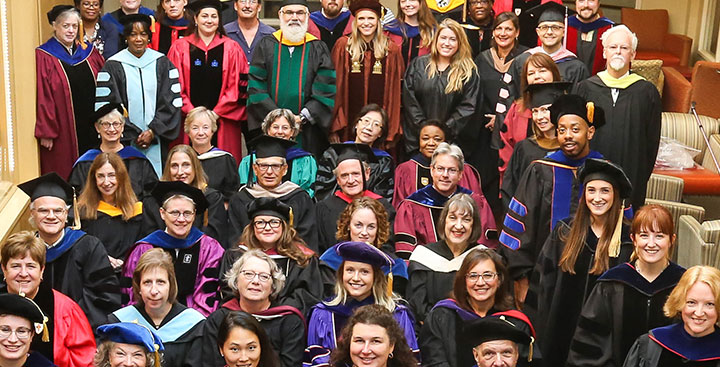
587, 9
127, 355
370, 127
363, 226
178, 215
110, 128
458, 227
482, 291
247, 9
541, 118
181, 168
49, 215
66, 29
201, 131
23, 275
267, 236
241, 349
270, 171
574, 136
367, 24
599, 196
13, 348
281, 128
505, 34
618, 52
370, 346
430, 137
255, 289
480, 11
538, 74
357, 279
348, 175
130, 6
90, 10
410, 8
652, 246
700, 312
447, 43
496, 353
550, 34
446, 174
106, 182
207, 21
155, 288
138, 39
174, 9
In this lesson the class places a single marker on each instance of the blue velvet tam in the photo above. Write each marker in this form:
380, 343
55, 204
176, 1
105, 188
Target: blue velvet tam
131, 333
363, 253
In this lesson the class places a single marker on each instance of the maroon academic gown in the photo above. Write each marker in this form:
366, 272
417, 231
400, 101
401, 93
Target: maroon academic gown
230, 104
55, 107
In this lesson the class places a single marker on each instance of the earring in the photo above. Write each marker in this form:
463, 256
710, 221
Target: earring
98, 136
390, 355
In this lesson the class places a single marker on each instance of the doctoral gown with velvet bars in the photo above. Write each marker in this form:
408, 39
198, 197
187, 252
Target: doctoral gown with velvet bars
547, 193
304, 285
327, 213
525, 152
672, 346
180, 331
302, 169
303, 80
622, 306
217, 217
414, 174
196, 259
116, 234
631, 134
150, 90
65, 85
417, 216
590, 53
381, 174
284, 325
214, 76
142, 175
78, 266
326, 322
221, 169
357, 89
555, 298
166, 32
425, 98
298, 199
441, 336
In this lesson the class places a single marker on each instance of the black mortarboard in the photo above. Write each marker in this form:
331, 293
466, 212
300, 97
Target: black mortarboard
573, 104
364, 253
165, 189
492, 328
269, 146
198, 5
107, 108
49, 184
56, 11
132, 333
546, 93
294, 2
361, 152
270, 206
549, 12
601, 169
130, 19
17, 305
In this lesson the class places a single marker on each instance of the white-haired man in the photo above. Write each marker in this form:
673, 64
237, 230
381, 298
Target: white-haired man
632, 108
292, 69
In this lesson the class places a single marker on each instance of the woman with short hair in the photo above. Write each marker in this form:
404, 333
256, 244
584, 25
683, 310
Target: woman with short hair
21, 320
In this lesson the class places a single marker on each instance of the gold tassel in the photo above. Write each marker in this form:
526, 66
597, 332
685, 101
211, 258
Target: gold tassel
291, 217
614, 249
590, 112
530, 352
157, 356
464, 16
46, 334
81, 36
389, 289
152, 23
76, 211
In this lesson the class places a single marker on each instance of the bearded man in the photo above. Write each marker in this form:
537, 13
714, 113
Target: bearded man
292, 69
583, 32
632, 108
331, 22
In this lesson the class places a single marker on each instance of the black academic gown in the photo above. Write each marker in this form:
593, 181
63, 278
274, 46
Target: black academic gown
217, 218
631, 134
672, 346
525, 152
284, 326
181, 333
381, 179
555, 298
142, 175
622, 306
221, 169
36, 359
297, 198
78, 266
107, 227
571, 69
425, 99
478, 37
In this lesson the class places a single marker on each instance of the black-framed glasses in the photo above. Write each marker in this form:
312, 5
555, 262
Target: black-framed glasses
554, 28
250, 275
265, 167
487, 277
262, 224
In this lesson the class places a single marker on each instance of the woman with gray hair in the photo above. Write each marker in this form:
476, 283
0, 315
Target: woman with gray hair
302, 167
256, 281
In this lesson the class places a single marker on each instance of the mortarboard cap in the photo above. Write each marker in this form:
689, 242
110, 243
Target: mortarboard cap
130, 19
601, 169
573, 104
372, 5
272, 207
268, 146
361, 152
132, 333
49, 184
546, 93
293, 2
363, 253
107, 108
198, 5
17, 305
494, 328
549, 12
165, 189
56, 11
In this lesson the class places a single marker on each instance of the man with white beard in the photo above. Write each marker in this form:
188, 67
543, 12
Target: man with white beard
583, 32
632, 108
292, 69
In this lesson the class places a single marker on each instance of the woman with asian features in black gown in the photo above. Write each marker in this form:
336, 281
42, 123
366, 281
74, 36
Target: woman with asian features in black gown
154, 286
628, 299
108, 207
578, 251
443, 85
694, 340
110, 125
221, 166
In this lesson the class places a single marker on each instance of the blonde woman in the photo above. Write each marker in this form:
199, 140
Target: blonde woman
442, 85
368, 67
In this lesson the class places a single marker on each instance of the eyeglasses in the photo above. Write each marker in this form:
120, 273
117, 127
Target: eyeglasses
251, 2
250, 275
298, 13
554, 28
262, 224
21, 332
175, 214
115, 125
487, 277
450, 171
265, 167
54, 211
363, 122
86, 4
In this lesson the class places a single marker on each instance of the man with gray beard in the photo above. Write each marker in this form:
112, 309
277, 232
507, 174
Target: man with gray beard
292, 69
632, 108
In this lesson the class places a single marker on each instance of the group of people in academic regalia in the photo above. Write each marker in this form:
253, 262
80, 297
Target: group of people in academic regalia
461, 183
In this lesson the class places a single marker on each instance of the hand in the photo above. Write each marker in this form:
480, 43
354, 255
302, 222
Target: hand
491, 124
145, 138
47, 143
116, 263
521, 288
333, 138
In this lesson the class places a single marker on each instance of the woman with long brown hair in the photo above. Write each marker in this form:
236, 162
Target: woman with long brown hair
576, 254
412, 29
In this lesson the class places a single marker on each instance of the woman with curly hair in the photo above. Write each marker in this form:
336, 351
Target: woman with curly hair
372, 332
128, 343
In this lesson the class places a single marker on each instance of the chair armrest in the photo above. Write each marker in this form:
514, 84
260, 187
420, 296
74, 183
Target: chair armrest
676, 91
680, 45
689, 243
707, 161
663, 187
